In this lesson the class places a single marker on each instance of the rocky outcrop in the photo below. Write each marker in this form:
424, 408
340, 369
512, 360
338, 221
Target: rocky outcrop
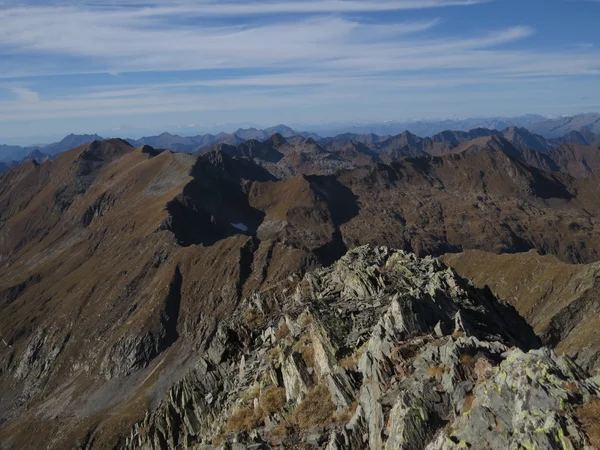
381, 350
100, 207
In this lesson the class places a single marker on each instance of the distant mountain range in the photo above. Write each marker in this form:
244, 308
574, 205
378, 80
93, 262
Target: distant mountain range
577, 153
11, 155
533, 131
200, 143
549, 128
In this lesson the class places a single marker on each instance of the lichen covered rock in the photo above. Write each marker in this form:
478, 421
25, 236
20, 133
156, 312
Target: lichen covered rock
380, 350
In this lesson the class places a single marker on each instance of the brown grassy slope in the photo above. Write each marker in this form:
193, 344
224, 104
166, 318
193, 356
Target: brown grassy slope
486, 201
561, 301
92, 287
580, 161
96, 294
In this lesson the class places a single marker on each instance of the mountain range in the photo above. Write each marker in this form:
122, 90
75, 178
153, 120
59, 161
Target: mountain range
284, 291
387, 147
548, 128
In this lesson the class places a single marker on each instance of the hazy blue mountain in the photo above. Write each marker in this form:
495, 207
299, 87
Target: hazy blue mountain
167, 140
9, 153
201, 143
554, 128
69, 142
535, 124
35, 155
368, 139
13, 152
282, 130
252, 133
426, 128
432, 137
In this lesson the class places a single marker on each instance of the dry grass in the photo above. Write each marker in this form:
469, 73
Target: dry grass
245, 419
275, 356
499, 425
468, 360
253, 318
571, 386
468, 363
347, 414
437, 371
305, 348
350, 362
468, 402
252, 393
458, 334
279, 430
316, 410
589, 417
308, 355
272, 400
406, 351
282, 332
306, 320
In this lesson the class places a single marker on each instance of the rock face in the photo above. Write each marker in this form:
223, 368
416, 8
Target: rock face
381, 350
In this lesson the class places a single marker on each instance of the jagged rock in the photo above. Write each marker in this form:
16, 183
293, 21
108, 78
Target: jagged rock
530, 400
296, 378
380, 350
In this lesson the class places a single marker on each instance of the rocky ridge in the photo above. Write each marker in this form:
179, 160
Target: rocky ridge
380, 350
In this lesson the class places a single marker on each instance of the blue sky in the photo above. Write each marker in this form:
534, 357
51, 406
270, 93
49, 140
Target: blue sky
93, 66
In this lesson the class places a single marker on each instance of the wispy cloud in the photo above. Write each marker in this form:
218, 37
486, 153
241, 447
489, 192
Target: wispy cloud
240, 54
24, 95
135, 8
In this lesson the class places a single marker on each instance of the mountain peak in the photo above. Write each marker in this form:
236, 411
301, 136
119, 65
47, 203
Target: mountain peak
276, 140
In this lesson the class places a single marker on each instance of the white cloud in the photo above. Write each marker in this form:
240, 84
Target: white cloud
25, 95
312, 58
116, 39
142, 8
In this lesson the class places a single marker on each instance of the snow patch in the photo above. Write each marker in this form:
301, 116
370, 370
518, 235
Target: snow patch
240, 226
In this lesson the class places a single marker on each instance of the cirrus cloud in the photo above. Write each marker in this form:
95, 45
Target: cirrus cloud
184, 56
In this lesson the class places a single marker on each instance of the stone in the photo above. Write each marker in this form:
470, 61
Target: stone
406, 354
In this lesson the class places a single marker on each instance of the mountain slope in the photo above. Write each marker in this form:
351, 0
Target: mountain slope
561, 301
136, 254
95, 283
119, 264
15, 154
580, 161
522, 138
70, 141
583, 137
486, 200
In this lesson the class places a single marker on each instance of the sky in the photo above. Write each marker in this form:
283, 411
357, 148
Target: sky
140, 66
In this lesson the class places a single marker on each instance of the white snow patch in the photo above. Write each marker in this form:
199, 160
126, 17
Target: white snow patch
240, 226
